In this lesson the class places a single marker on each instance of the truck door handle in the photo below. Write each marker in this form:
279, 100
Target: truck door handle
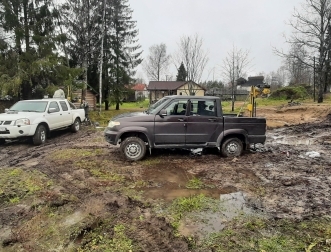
212, 119
181, 119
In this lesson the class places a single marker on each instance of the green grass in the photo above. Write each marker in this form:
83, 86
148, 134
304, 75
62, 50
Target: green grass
16, 184
195, 183
257, 234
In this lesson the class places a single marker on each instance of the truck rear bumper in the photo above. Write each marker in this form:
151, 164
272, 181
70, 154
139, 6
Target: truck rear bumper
256, 139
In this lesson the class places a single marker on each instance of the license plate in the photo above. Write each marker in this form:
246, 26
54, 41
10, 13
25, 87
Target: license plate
2, 129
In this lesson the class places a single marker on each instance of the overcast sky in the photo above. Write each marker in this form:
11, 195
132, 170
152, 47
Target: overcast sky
254, 25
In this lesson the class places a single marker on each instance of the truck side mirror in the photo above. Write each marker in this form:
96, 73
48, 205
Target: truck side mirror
163, 112
6, 110
51, 110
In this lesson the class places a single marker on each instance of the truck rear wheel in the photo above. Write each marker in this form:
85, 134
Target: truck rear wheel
232, 147
134, 148
2, 141
40, 135
75, 127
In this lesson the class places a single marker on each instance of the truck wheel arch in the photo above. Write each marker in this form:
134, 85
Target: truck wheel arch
138, 134
240, 134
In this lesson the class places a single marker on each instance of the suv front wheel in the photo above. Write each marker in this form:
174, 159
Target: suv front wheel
134, 148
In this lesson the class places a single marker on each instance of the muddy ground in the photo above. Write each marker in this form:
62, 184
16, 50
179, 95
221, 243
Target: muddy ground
53, 197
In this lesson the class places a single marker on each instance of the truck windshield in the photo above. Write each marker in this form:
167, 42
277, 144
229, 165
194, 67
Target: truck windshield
29, 106
154, 107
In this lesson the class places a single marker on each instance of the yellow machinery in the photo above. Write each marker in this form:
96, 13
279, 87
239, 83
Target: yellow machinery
255, 91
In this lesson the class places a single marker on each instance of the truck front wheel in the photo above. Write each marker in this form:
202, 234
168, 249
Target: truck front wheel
134, 148
40, 135
232, 147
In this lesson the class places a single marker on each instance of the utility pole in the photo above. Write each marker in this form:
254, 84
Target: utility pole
314, 79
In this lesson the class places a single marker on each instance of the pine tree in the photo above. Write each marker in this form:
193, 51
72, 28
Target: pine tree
124, 53
182, 74
33, 57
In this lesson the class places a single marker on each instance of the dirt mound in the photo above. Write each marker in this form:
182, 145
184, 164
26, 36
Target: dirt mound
280, 116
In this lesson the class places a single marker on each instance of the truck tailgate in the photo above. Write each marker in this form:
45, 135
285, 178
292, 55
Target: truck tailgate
252, 125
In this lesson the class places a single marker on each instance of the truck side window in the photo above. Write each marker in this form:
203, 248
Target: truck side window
177, 107
202, 108
64, 105
54, 105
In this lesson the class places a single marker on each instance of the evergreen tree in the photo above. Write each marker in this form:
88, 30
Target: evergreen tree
31, 61
182, 74
123, 49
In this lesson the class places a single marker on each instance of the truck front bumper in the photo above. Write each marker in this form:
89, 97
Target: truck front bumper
12, 132
110, 136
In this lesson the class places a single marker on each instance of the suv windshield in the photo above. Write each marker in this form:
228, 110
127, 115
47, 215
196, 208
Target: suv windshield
154, 107
29, 106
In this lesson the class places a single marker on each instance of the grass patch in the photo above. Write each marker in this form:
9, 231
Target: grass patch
16, 184
100, 169
180, 207
256, 234
112, 240
68, 154
195, 183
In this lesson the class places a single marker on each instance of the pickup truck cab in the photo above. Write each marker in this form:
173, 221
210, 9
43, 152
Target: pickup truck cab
37, 118
184, 122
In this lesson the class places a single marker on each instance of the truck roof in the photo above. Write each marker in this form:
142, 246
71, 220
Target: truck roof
192, 97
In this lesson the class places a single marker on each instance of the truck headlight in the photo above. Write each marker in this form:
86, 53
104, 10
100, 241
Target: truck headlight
22, 122
112, 124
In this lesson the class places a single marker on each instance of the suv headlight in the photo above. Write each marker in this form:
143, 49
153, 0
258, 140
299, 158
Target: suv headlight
112, 124
22, 122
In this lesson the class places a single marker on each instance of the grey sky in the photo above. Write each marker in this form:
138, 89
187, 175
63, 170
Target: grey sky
254, 25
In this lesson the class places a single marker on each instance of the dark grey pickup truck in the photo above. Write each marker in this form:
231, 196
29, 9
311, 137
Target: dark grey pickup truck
184, 122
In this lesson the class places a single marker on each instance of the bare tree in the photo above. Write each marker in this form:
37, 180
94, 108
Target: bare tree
299, 72
193, 57
311, 24
234, 66
157, 62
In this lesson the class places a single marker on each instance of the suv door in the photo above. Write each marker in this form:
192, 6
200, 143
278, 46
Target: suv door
171, 129
203, 125
66, 115
54, 117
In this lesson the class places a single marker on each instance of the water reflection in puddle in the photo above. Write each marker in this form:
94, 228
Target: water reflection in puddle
292, 140
168, 183
231, 205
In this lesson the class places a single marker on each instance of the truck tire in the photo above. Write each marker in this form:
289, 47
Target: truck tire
2, 141
75, 127
232, 147
134, 148
40, 135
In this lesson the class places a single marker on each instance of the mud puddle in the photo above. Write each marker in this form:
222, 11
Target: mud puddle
169, 183
231, 205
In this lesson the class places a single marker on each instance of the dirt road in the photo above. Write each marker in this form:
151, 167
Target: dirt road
54, 197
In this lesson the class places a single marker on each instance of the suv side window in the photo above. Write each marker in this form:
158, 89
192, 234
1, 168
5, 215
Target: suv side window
202, 108
64, 105
177, 107
55, 105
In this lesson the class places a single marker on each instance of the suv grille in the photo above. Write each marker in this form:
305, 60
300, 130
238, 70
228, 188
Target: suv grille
5, 122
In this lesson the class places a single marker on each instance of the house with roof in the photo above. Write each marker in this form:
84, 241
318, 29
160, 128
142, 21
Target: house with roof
159, 89
140, 91
243, 84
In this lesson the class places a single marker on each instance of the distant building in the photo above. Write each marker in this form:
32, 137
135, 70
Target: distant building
140, 91
243, 84
159, 89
